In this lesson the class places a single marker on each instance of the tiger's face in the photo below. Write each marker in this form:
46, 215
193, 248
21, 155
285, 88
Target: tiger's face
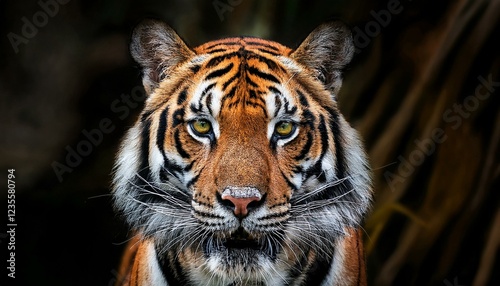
240, 167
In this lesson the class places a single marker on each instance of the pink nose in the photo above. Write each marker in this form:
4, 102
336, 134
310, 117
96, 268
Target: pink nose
239, 198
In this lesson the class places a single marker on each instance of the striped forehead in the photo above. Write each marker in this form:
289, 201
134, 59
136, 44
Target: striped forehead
243, 73
256, 45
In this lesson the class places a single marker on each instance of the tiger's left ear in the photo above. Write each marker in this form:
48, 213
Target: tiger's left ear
326, 51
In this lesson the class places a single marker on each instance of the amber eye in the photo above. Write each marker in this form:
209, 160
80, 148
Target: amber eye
284, 128
201, 126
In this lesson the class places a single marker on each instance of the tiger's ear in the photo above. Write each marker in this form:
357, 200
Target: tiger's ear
326, 51
158, 49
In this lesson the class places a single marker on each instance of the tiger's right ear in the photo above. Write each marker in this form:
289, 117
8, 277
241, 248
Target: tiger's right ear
158, 49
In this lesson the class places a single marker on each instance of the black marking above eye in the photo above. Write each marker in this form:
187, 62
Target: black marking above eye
178, 117
302, 99
182, 97
267, 76
219, 72
195, 68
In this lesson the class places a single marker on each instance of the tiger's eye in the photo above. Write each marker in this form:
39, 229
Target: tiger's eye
201, 126
284, 128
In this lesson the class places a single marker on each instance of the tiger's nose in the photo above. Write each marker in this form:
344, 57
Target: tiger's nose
241, 199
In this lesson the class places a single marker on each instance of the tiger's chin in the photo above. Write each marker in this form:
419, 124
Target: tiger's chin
240, 256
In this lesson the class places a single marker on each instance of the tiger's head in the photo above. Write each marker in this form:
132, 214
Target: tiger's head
241, 167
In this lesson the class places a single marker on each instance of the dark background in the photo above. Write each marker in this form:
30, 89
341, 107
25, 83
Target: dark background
436, 218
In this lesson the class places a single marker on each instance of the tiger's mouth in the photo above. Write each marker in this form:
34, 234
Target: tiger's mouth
242, 240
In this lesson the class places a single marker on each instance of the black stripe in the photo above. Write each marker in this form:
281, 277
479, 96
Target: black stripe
234, 103
218, 59
229, 95
302, 98
206, 90
209, 104
268, 52
178, 117
194, 108
278, 104
217, 51
256, 72
250, 42
275, 245
192, 181
307, 147
320, 268
171, 268
257, 105
289, 183
229, 81
162, 129
206, 214
340, 167
219, 72
273, 216
144, 170
221, 44
309, 119
252, 93
182, 97
290, 110
298, 268
250, 82
270, 63
272, 53
317, 171
146, 114
195, 68
275, 90
297, 169
178, 145
172, 169
324, 135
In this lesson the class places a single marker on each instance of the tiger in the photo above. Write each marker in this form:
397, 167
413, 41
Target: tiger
240, 169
